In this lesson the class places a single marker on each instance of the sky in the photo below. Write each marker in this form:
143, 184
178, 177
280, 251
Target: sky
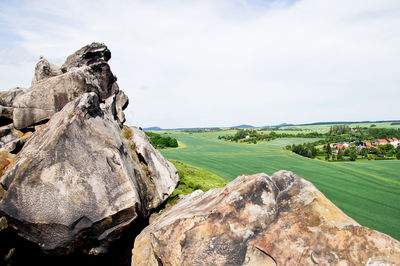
222, 63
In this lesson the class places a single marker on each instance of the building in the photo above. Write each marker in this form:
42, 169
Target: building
382, 141
368, 144
394, 142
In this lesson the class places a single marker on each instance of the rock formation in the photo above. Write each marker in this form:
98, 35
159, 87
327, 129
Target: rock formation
76, 182
261, 220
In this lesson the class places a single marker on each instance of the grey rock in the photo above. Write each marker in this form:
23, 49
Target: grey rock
7, 97
90, 54
44, 69
5, 130
6, 112
43, 99
84, 71
121, 102
77, 184
163, 173
10, 140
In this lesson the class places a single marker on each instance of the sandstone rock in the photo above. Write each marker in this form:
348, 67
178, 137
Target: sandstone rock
261, 220
76, 184
5, 130
90, 54
84, 71
7, 97
157, 166
121, 103
44, 70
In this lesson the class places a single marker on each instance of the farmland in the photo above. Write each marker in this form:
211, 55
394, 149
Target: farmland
367, 191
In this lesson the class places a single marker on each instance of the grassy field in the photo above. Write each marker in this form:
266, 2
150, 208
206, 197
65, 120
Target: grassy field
366, 191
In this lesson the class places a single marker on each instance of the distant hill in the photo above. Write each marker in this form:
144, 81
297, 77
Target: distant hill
282, 125
152, 128
243, 126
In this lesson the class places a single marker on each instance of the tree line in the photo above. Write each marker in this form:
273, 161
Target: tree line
161, 142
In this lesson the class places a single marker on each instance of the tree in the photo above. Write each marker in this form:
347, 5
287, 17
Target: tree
340, 155
353, 155
328, 151
398, 155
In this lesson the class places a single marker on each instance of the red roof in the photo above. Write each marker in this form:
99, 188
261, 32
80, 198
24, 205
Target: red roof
390, 140
382, 141
395, 139
340, 147
368, 144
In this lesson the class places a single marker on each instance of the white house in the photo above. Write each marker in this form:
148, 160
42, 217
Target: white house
394, 142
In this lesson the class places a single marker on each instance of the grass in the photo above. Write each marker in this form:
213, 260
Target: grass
193, 178
367, 191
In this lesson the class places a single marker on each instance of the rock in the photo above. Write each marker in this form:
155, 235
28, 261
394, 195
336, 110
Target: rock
261, 220
121, 103
77, 184
7, 97
85, 71
44, 70
90, 54
5, 130
156, 165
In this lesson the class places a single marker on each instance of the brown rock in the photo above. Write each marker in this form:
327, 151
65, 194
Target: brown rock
261, 220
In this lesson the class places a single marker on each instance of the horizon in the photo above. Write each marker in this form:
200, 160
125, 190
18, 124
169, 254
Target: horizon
185, 65
278, 125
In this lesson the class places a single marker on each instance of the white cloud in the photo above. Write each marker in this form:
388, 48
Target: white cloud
221, 63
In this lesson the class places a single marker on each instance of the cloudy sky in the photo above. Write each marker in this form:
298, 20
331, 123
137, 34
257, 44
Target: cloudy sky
222, 63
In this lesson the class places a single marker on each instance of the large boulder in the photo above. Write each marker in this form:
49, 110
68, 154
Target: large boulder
77, 183
261, 220
52, 87
156, 166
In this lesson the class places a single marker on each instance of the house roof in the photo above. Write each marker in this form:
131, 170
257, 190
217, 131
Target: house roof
395, 139
382, 140
368, 144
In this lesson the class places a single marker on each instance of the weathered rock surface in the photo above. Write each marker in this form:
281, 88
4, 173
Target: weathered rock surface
44, 70
76, 184
84, 71
261, 220
156, 165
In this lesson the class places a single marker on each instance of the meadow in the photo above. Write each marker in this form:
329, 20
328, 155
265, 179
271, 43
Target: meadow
367, 191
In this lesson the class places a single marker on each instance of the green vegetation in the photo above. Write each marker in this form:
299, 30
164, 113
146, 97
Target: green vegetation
367, 191
252, 136
161, 142
193, 178
353, 141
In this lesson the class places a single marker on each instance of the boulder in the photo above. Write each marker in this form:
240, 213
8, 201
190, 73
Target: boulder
44, 70
84, 71
7, 97
93, 53
156, 165
77, 183
261, 220
121, 103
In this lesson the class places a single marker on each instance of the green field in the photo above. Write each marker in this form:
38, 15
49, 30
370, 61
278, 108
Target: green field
369, 191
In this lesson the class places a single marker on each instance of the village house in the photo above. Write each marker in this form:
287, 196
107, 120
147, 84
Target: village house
394, 142
381, 141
